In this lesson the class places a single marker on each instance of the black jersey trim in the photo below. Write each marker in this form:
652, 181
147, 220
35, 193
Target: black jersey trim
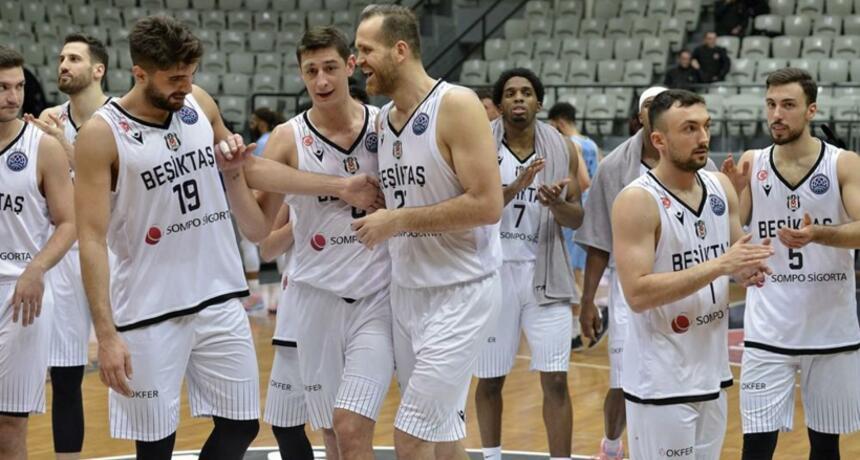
164, 125
328, 141
14, 141
397, 132
696, 212
69, 113
524, 160
801, 351
808, 173
285, 343
674, 399
185, 311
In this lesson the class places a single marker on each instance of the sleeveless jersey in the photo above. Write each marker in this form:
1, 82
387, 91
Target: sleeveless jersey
808, 304
170, 226
25, 224
70, 128
412, 173
678, 352
519, 226
328, 255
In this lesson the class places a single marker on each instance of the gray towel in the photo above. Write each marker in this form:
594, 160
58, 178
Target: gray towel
616, 171
553, 279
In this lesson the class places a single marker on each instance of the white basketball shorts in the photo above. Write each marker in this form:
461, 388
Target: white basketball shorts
71, 335
285, 397
619, 313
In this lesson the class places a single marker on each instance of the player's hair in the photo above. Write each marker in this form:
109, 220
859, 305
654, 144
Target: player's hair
269, 116
794, 75
317, 38
162, 42
667, 99
564, 111
9, 58
96, 47
398, 23
499, 86
484, 93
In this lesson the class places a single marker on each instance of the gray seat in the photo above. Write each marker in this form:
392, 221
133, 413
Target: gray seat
592, 28
672, 28
689, 11
833, 71
267, 63
335, 5
119, 81
473, 72
606, 9
234, 110
495, 48
846, 47
582, 72
623, 99
786, 47
283, 5
574, 49
600, 49
292, 84
22, 31
265, 21
35, 53
660, 7
214, 62
58, 12
566, 27
256, 5
152, 4
240, 21
573, 8
293, 19
633, 8
532, 64
645, 27
743, 112
782, 7
610, 71
830, 26
10, 10
266, 83
619, 27
717, 111
656, 50
209, 38
538, 8
540, 28
599, 106
555, 72
765, 67
189, 17
851, 25
722, 90
45, 31
817, 47
260, 41
838, 7
230, 41
521, 48
638, 72
212, 20
319, 18
287, 39
810, 7
809, 65
854, 70
742, 71
229, 5
516, 28
240, 62
755, 47
201, 5
547, 49
769, 23
32, 12
343, 21
731, 43
495, 69
798, 25
628, 49
177, 5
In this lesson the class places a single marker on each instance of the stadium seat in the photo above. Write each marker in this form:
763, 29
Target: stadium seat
240, 21
293, 84
610, 71
810, 7
214, 62
152, 4
531, 64
689, 10
827, 26
581, 72
714, 103
319, 18
240, 62
537, 8
619, 27
606, 9
521, 48
266, 83
33, 12
516, 28
229, 5
236, 84
672, 28
189, 17
765, 67
10, 11
623, 99
495, 69
798, 25
833, 71
782, 7
645, 27
572, 8
755, 47
628, 49
566, 27
633, 8
599, 106
473, 72
21, 32
731, 43
786, 47
851, 25
547, 49
722, 90
287, 39
600, 49
660, 7
809, 65
177, 5
816, 47
201, 5
743, 111
575, 99
336, 5
234, 110
555, 72
209, 38
574, 49
119, 81
656, 50
45, 32
343, 21
34, 52
540, 28
265, 21
495, 48
283, 5
231, 41
768, 23
212, 20
742, 71
293, 20
838, 7
261, 41
268, 63
638, 72
846, 47
58, 12
592, 28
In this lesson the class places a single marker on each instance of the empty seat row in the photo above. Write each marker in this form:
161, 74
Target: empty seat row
543, 28
802, 25
560, 72
812, 7
786, 47
597, 49
629, 8
747, 71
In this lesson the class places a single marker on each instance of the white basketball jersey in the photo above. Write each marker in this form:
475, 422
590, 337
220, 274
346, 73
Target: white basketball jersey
70, 128
25, 224
678, 352
808, 304
328, 254
413, 173
519, 226
170, 226
284, 324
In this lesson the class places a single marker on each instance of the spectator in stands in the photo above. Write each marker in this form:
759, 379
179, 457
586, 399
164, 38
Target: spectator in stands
683, 76
710, 60
486, 96
34, 96
263, 121
732, 17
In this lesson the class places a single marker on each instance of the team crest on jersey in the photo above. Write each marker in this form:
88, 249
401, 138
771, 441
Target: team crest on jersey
17, 160
351, 165
793, 202
398, 149
718, 206
762, 175
701, 230
371, 143
132, 133
172, 141
819, 184
420, 124
188, 115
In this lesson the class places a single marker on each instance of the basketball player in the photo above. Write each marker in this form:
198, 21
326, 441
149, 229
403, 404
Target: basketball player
486, 97
443, 194
82, 67
804, 318
35, 194
674, 226
526, 146
338, 287
148, 183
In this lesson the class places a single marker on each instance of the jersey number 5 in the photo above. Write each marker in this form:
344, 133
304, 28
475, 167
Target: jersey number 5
189, 200
796, 259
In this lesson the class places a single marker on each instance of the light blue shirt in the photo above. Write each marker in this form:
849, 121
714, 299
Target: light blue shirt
261, 144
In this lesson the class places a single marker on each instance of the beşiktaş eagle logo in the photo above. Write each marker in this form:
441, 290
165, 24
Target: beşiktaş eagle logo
350, 165
793, 202
172, 141
398, 149
701, 230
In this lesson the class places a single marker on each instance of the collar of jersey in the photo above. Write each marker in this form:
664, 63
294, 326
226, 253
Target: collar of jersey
388, 115
164, 125
328, 141
696, 212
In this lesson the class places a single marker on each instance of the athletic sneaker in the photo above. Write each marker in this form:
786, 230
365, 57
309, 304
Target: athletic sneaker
607, 455
577, 343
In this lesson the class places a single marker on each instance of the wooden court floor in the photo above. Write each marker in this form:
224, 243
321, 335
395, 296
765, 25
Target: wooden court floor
522, 422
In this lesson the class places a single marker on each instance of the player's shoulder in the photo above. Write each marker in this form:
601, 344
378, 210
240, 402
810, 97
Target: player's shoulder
635, 202
205, 101
848, 165
457, 98
55, 110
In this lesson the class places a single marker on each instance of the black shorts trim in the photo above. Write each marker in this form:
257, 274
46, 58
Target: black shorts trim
15, 414
727, 383
801, 351
675, 399
186, 311
285, 343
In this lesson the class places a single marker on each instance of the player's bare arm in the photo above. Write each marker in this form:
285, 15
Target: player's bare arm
840, 236
94, 176
565, 207
56, 187
281, 237
582, 169
473, 159
755, 275
596, 261
635, 226
739, 178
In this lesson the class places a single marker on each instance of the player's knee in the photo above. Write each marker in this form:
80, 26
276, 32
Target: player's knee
759, 446
13, 425
351, 429
554, 385
490, 387
239, 430
823, 446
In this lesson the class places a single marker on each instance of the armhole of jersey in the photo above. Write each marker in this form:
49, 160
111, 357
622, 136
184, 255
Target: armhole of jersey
296, 125
434, 147
119, 163
36, 143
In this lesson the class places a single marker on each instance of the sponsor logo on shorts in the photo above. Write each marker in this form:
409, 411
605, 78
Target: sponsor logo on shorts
422, 121
280, 385
819, 184
675, 453
188, 115
17, 161
681, 323
754, 386
144, 394
155, 233
315, 387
